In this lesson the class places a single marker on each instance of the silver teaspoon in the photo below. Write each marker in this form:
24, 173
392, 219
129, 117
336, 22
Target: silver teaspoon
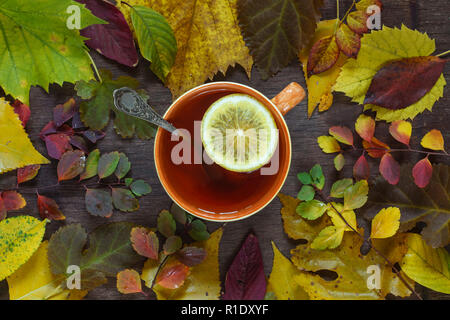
130, 102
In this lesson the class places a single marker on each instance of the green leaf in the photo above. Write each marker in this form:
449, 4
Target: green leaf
128, 181
98, 202
198, 231
166, 224
329, 238
20, 237
123, 167
140, 188
339, 162
338, 188
427, 266
311, 210
304, 178
172, 245
107, 164
155, 38
91, 165
178, 213
38, 48
96, 109
317, 176
306, 193
124, 200
356, 196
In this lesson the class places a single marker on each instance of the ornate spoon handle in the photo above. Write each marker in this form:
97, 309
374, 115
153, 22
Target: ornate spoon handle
130, 102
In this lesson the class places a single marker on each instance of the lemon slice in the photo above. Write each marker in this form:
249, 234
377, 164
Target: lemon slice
239, 133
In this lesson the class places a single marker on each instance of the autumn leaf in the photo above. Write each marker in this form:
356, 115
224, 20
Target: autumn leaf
312, 209
202, 50
357, 22
365, 127
429, 205
107, 164
113, 40
356, 196
98, 102
123, 167
245, 279
42, 55
361, 170
323, 55
348, 41
166, 224
16, 150
124, 200
98, 202
49, 209
276, 36
386, 223
280, 279
401, 131
377, 49
375, 148
71, 165
91, 165
129, 281
64, 112
336, 219
191, 256
422, 172
10, 200
34, 280
145, 242
339, 162
140, 188
338, 188
57, 144
156, 40
342, 134
27, 173
203, 281
328, 238
21, 237
172, 245
402, 83
328, 144
390, 169
425, 265
433, 140
320, 85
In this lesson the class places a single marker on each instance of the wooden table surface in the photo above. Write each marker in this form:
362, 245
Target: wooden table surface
426, 16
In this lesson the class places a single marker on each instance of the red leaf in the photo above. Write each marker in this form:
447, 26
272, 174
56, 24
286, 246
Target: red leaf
348, 41
403, 82
191, 256
49, 209
63, 112
376, 148
422, 173
51, 128
3, 211
72, 164
57, 144
342, 134
245, 279
23, 111
27, 173
113, 40
390, 169
12, 200
361, 170
323, 55
145, 243
172, 275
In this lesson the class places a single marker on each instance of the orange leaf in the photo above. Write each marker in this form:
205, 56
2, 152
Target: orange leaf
365, 127
361, 170
129, 281
401, 131
342, 134
375, 148
172, 275
348, 41
433, 140
357, 21
27, 173
422, 173
390, 169
49, 209
323, 55
145, 243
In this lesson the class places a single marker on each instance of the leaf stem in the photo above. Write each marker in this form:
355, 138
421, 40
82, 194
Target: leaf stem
443, 53
391, 265
159, 269
347, 13
95, 68
337, 16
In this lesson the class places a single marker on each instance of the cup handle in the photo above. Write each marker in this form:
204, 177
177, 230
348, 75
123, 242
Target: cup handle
291, 96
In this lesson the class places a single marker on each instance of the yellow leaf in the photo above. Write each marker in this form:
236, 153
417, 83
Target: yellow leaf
427, 266
295, 226
328, 144
320, 85
16, 150
203, 282
386, 223
351, 268
208, 38
377, 48
329, 238
280, 279
19, 238
349, 216
433, 140
34, 280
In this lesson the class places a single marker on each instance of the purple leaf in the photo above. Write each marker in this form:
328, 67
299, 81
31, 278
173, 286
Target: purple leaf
113, 40
94, 136
79, 143
57, 144
63, 112
76, 120
245, 279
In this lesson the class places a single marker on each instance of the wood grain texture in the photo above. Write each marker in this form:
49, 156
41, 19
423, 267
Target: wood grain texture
426, 16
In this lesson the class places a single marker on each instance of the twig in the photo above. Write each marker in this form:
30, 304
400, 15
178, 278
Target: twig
157, 271
444, 153
443, 53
